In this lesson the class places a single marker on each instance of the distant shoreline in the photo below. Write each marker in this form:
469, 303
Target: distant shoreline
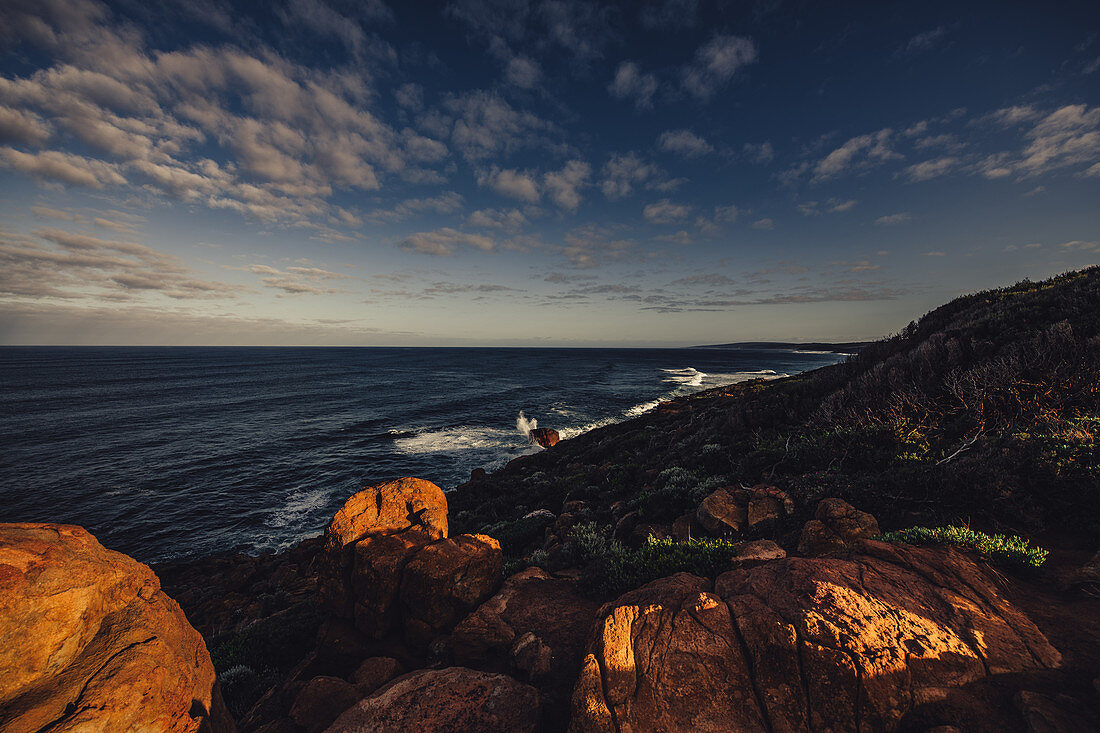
850, 347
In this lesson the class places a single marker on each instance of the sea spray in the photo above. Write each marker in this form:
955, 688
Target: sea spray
524, 425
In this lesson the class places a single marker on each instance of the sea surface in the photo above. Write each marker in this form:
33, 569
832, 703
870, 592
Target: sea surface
170, 452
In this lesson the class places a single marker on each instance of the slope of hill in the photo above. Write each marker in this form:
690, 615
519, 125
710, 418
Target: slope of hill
985, 411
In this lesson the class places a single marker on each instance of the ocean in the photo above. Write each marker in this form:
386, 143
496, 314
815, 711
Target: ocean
173, 452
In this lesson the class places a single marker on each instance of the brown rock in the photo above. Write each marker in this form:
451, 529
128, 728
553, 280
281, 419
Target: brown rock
801, 644
749, 554
387, 508
321, 701
546, 437
384, 509
478, 474
625, 526
445, 700
644, 530
720, 513
837, 527
767, 504
378, 565
687, 527
375, 672
445, 581
1054, 714
92, 643
535, 627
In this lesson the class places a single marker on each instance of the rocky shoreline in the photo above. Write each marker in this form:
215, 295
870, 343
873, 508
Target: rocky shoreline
718, 564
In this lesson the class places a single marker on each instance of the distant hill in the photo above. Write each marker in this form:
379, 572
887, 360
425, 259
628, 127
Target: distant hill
848, 347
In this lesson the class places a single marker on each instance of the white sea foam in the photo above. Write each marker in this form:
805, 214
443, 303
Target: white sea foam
299, 505
450, 440
525, 426
689, 377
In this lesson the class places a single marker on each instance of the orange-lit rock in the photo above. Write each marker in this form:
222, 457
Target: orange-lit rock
802, 644
836, 526
92, 643
546, 437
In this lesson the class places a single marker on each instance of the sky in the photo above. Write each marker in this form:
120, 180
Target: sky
558, 173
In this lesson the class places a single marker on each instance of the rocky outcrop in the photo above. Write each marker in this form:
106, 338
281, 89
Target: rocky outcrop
733, 509
451, 699
446, 580
92, 643
535, 629
546, 437
836, 526
802, 644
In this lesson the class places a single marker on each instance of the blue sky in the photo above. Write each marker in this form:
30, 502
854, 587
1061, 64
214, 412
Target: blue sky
503, 172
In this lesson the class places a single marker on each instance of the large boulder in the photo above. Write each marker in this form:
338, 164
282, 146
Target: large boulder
411, 507
446, 580
802, 644
836, 527
92, 643
721, 513
534, 628
444, 701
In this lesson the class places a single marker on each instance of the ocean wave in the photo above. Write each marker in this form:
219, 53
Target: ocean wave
299, 506
688, 377
463, 438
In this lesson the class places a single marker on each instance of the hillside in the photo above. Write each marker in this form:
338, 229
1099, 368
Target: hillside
985, 411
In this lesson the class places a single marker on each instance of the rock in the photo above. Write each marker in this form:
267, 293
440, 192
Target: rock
767, 504
1088, 575
625, 527
377, 569
802, 644
720, 513
451, 699
1054, 714
477, 474
375, 672
546, 437
837, 527
321, 701
389, 508
535, 627
446, 580
749, 554
644, 530
92, 643
687, 527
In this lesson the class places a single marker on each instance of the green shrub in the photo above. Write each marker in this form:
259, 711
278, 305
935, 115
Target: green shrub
515, 536
276, 642
1008, 549
678, 490
628, 569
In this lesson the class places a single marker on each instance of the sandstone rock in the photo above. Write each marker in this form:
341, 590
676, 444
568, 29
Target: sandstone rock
375, 672
546, 437
445, 700
477, 474
321, 701
92, 643
1054, 714
720, 513
384, 509
625, 527
390, 507
446, 580
644, 530
801, 644
749, 554
837, 527
1088, 575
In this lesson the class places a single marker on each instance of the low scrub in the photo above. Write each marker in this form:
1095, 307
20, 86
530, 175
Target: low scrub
1008, 549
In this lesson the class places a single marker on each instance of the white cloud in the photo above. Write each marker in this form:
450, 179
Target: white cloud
715, 64
759, 153
623, 172
665, 212
54, 165
445, 242
684, 142
486, 126
892, 219
522, 72
631, 83
765, 224
930, 169
563, 187
858, 153
515, 184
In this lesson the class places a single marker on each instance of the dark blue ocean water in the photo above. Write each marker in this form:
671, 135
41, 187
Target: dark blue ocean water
174, 452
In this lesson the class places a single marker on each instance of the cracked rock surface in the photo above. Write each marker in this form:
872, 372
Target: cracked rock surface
799, 644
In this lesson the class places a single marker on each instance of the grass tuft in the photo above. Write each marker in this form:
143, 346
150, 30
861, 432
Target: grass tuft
1008, 549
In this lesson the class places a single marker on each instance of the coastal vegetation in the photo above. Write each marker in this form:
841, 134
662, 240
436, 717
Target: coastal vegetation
1009, 549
